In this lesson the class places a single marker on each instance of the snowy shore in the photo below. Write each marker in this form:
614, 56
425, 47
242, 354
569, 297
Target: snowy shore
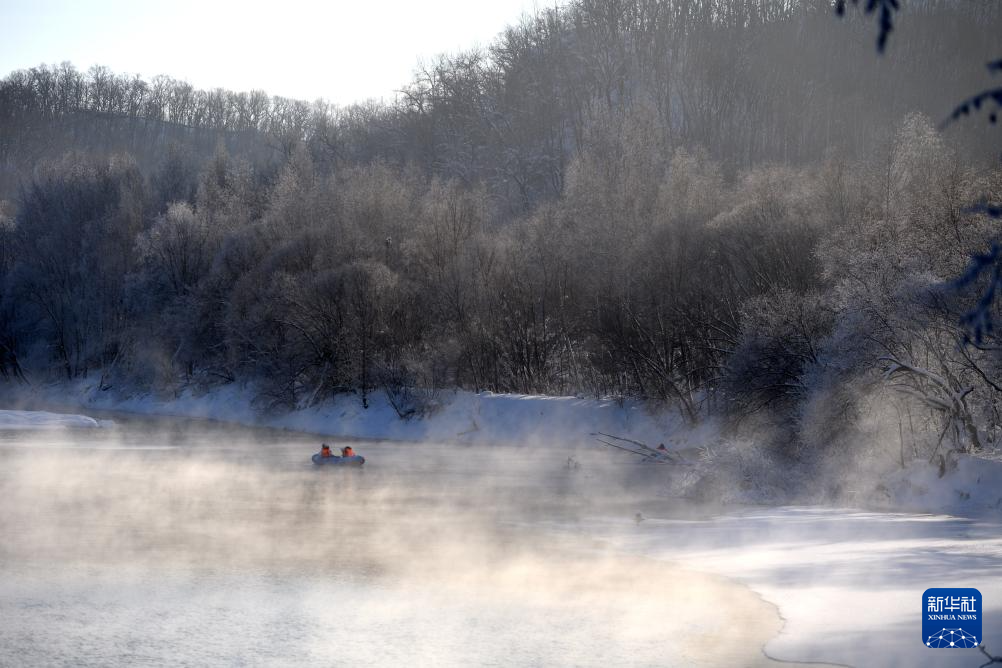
462, 417
35, 420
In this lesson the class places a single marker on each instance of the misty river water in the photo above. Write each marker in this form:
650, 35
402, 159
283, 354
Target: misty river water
178, 542
189, 543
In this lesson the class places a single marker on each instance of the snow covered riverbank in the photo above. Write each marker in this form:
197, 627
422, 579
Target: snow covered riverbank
35, 420
462, 417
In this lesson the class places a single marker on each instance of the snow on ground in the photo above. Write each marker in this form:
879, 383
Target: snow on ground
849, 584
463, 417
32, 420
972, 488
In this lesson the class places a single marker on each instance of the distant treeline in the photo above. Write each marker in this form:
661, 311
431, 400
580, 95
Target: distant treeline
717, 205
750, 81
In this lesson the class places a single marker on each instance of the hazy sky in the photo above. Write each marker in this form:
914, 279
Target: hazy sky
343, 51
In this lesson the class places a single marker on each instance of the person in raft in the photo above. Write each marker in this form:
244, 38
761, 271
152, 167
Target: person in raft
347, 451
325, 450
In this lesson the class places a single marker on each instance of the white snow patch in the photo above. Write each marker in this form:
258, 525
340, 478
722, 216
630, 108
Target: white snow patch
34, 420
463, 417
848, 583
972, 488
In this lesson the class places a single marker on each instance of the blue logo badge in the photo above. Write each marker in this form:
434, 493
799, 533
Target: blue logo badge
951, 618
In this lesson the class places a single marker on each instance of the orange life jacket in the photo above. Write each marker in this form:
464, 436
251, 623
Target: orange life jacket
348, 452
325, 452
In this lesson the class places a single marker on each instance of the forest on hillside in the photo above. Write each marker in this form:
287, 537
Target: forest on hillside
731, 207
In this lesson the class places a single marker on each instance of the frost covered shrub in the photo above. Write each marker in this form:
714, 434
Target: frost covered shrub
744, 467
412, 401
827, 418
782, 335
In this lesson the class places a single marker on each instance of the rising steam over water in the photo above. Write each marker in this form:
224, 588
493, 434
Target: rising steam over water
178, 543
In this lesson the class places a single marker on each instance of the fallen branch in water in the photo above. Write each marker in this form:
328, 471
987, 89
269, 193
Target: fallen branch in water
648, 450
991, 659
649, 454
645, 455
626, 440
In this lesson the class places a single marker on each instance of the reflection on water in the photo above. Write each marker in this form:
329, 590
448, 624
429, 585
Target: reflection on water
180, 543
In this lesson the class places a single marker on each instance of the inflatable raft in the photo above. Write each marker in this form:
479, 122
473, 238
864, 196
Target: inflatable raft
354, 460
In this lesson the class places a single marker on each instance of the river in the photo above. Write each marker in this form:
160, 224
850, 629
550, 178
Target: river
183, 542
